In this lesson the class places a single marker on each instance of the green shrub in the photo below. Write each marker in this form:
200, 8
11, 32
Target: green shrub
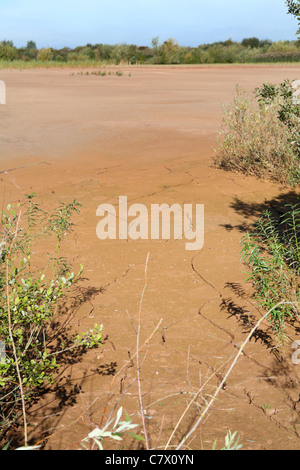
31, 294
277, 57
272, 252
260, 135
45, 55
8, 52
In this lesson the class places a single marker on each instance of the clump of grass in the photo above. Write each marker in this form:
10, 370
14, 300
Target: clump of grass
261, 135
272, 252
100, 73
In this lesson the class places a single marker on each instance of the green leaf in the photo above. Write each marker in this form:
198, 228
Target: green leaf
119, 414
136, 436
127, 417
6, 447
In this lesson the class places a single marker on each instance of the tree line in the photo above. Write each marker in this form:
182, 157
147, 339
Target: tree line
168, 52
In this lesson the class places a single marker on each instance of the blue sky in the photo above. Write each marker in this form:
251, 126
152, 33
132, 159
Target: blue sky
60, 23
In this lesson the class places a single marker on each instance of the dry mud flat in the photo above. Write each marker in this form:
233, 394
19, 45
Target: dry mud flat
149, 136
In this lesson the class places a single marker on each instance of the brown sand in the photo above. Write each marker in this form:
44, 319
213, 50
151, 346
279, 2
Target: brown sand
150, 136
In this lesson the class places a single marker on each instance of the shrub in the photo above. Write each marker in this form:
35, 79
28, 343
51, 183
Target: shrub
272, 252
45, 55
251, 42
73, 57
260, 135
277, 57
30, 297
8, 52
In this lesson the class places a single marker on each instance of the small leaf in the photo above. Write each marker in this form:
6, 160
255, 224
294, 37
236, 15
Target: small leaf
119, 414
136, 436
127, 417
6, 447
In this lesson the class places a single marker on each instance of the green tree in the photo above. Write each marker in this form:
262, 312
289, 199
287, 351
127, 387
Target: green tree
120, 53
166, 53
251, 42
158, 56
294, 9
104, 51
7, 43
155, 42
31, 45
171, 51
45, 55
8, 52
87, 52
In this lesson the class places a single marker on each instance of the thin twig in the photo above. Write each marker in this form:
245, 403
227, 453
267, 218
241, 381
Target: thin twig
219, 388
12, 337
188, 379
125, 365
137, 355
191, 403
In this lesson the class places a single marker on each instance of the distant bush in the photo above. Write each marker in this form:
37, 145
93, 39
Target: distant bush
8, 52
251, 42
261, 135
45, 55
60, 58
87, 53
73, 56
278, 57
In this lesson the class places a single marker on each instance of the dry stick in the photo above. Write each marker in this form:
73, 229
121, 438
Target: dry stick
137, 355
226, 376
125, 365
192, 401
118, 401
12, 338
24, 166
188, 379
160, 432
